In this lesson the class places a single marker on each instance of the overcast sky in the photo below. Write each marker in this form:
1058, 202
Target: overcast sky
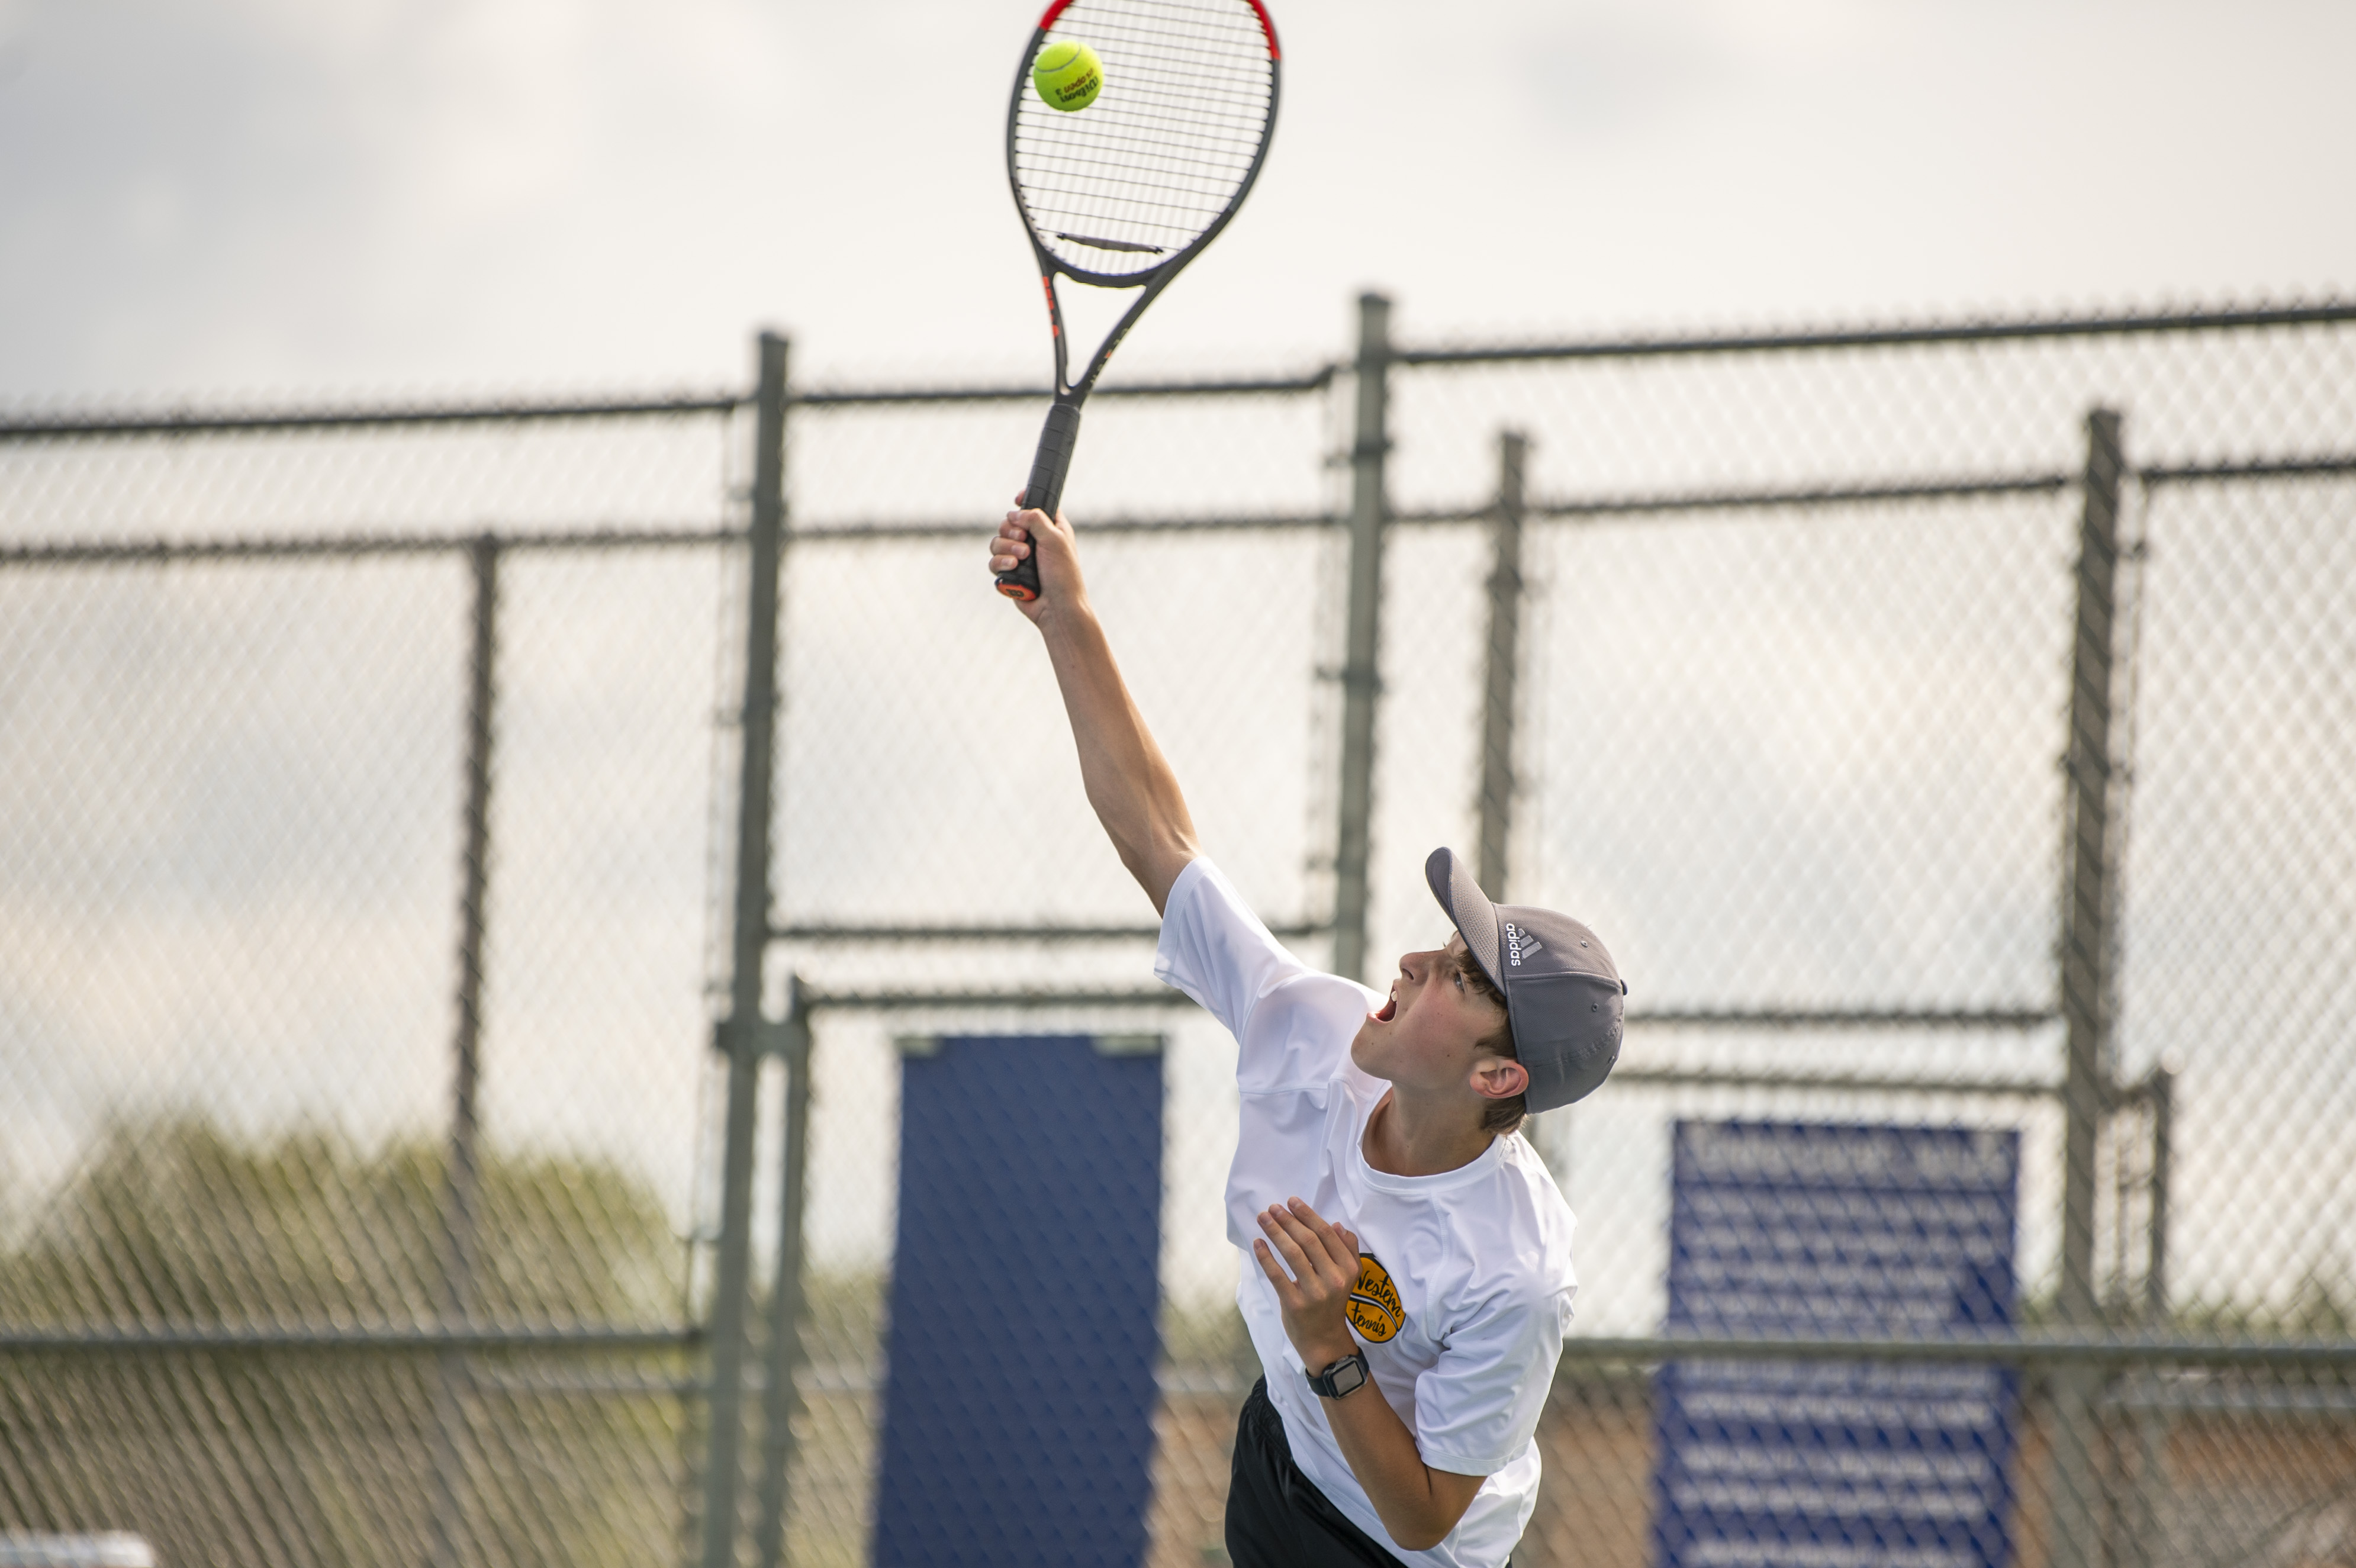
253, 195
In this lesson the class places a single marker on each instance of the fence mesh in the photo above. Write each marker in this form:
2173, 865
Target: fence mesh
317, 1250
235, 866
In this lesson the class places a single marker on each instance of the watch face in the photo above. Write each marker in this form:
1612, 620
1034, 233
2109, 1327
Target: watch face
1347, 1376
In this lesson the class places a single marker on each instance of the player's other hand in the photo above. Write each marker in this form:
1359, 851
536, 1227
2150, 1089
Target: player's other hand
1319, 1270
1025, 532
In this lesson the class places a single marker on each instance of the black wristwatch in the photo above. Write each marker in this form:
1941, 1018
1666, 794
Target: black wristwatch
1347, 1375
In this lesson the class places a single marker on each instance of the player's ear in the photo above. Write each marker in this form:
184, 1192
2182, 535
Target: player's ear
1500, 1078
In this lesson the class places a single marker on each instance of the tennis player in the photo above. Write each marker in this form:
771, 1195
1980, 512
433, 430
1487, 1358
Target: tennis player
1409, 1273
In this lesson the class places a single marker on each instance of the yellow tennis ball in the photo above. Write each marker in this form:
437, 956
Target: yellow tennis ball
1068, 76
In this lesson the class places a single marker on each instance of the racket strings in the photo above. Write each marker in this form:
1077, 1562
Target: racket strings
1113, 178
1119, 152
1145, 135
1167, 146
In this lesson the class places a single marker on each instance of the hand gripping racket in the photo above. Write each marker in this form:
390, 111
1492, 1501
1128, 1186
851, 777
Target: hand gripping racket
1124, 193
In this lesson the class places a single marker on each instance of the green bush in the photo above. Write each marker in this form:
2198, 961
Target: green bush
315, 1455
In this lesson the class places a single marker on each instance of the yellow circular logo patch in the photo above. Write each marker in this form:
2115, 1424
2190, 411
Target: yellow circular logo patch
1374, 1310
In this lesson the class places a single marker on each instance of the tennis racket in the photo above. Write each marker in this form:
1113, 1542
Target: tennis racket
1124, 193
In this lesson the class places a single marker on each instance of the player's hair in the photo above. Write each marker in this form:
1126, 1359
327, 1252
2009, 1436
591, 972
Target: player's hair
1500, 1117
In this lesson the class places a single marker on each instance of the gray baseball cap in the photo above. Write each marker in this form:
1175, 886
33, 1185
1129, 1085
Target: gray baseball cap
1563, 996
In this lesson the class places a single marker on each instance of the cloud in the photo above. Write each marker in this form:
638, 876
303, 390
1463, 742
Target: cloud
1617, 70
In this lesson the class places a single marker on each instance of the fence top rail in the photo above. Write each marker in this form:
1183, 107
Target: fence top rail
99, 424
2320, 467
158, 552
198, 419
1315, 380
2321, 313
1569, 509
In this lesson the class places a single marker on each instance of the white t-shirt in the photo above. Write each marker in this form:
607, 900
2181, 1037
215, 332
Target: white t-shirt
1465, 1278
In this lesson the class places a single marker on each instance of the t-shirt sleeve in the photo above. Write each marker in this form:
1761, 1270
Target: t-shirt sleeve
1477, 1406
1293, 1024
1216, 950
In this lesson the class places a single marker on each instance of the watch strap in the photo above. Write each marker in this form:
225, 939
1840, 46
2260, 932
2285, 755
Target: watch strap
1345, 1376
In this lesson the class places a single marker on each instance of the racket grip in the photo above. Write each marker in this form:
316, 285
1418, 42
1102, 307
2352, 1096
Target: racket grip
1046, 490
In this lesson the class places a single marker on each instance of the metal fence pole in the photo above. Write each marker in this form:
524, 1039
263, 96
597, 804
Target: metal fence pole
2086, 982
2146, 1526
782, 1394
460, 1180
2159, 1088
740, 1033
1361, 665
1504, 665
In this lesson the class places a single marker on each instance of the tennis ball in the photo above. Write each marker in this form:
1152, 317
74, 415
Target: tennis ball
1068, 76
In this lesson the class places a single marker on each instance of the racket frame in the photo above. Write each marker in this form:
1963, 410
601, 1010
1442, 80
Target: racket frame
1059, 436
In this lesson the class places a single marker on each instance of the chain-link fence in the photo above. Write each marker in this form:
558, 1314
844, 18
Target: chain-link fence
355, 958
1948, 727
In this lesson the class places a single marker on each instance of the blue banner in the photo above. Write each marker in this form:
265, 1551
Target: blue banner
1018, 1421
1835, 1231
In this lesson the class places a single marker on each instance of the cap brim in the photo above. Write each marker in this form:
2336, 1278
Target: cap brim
1469, 909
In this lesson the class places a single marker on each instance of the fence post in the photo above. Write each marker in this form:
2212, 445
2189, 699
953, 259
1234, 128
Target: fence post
739, 1034
2086, 911
461, 1179
2159, 1088
1504, 665
781, 1393
1361, 664
2145, 1526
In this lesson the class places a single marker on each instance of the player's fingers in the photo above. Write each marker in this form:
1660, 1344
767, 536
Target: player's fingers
1038, 533
1281, 1218
1285, 1289
1338, 1263
1039, 522
1329, 1240
1304, 1236
1310, 1256
1274, 1222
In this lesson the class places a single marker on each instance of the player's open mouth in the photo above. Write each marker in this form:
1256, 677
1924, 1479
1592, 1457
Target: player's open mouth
1388, 1010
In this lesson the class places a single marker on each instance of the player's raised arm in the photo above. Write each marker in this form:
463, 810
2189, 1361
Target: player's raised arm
1129, 780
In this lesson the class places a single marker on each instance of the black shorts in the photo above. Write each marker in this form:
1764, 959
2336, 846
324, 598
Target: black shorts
1276, 1516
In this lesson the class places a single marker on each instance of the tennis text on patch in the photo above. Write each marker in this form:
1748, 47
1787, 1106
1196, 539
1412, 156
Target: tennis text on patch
1375, 1311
